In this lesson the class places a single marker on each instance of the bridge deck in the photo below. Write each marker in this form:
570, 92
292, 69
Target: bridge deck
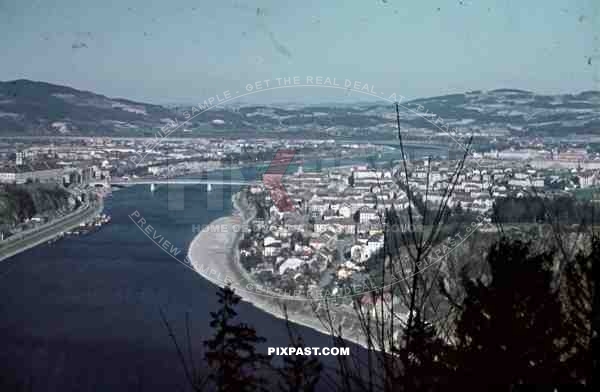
186, 181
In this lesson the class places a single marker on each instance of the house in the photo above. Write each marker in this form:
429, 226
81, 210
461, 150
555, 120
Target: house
272, 250
588, 179
35, 172
271, 246
375, 242
366, 215
367, 174
360, 253
294, 222
345, 210
320, 208
290, 264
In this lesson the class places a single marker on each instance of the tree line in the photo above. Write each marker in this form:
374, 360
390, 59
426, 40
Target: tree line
536, 209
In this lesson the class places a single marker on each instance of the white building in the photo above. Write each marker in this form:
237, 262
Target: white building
292, 263
367, 214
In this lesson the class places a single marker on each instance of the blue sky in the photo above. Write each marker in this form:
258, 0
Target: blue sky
186, 51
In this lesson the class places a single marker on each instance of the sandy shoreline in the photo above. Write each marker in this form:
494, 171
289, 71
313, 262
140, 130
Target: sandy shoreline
212, 254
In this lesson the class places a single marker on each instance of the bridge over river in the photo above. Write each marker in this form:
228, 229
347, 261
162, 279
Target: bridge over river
182, 181
154, 182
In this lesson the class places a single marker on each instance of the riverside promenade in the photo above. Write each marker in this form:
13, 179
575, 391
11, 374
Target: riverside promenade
213, 254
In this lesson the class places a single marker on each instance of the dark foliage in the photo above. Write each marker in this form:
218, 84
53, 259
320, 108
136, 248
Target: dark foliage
578, 294
428, 365
300, 373
21, 202
511, 328
535, 209
231, 353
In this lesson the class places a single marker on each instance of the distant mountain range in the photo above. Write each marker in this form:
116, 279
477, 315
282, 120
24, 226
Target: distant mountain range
30, 108
38, 108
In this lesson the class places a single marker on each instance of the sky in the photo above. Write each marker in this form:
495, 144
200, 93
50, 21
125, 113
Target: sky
183, 51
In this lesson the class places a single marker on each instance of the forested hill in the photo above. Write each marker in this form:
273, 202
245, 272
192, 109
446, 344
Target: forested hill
37, 108
21, 202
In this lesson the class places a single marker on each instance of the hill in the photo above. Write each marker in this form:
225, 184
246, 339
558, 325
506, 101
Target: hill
29, 108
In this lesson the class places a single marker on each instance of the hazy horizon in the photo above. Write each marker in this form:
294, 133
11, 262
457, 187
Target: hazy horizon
161, 53
351, 97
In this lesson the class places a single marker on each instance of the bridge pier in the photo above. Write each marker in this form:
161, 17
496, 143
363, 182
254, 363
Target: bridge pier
208, 187
152, 187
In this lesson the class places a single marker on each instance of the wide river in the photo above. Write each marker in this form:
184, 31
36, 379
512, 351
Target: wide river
84, 313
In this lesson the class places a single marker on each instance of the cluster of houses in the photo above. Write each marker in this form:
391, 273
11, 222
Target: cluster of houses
336, 224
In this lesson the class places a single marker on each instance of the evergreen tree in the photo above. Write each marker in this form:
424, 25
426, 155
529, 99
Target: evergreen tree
231, 353
300, 373
595, 315
510, 327
428, 361
578, 289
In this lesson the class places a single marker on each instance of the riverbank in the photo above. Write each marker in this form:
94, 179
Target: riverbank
47, 232
95, 303
214, 255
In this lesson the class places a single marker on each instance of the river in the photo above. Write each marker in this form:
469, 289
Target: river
84, 313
